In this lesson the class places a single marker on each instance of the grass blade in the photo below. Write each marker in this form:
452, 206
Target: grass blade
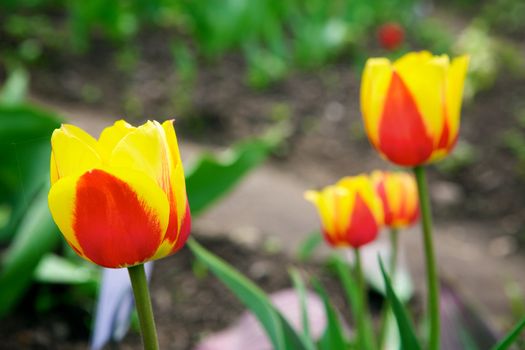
298, 283
350, 286
308, 246
406, 329
334, 336
511, 337
281, 334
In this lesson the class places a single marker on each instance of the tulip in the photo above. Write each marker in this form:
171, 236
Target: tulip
398, 193
120, 200
399, 196
411, 107
350, 211
390, 35
351, 216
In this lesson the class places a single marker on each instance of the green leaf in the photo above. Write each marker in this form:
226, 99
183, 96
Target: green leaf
511, 337
25, 134
406, 329
333, 339
35, 236
402, 282
15, 88
281, 334
299, 286
56, 269
308, 246
350, 286
215, 175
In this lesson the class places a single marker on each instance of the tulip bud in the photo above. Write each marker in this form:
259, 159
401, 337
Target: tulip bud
398, 193
350, 211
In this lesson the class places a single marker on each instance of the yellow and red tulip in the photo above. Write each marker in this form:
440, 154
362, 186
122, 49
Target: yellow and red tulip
351, 212
398, 193
120, 200
411, 107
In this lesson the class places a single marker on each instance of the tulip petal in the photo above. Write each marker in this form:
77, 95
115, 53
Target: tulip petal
179, 206
374, 86
115, 217
61, 201
144, 149
73, 152
111, 136
456, 79
362, 184
363, 227
403, 135
333, 204
425, 77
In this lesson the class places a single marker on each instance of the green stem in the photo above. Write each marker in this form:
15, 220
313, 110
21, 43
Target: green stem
394, 245
394, 248
363, 318
143, 305
432, 276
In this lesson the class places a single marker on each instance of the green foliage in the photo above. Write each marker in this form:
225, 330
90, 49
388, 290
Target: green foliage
511, 337
333, 339
24, 136
15, 88
59, 270
406, 328
505, 15
273, 36
354, 299
300, 287
281, 334
308, 245
35, 236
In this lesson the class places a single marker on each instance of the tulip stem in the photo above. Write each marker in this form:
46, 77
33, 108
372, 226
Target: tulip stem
139, 283
364, 326
432, 276
385, 313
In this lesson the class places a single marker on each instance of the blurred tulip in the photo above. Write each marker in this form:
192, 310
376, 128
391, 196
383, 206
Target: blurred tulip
350, 211
390, 36
398, 193
120, 200
411, 107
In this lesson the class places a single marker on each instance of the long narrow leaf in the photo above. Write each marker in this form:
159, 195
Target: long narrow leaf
308, 246
36, 236
511, 337
278, 329
350, 286
334, 337
298, 283
406, 329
